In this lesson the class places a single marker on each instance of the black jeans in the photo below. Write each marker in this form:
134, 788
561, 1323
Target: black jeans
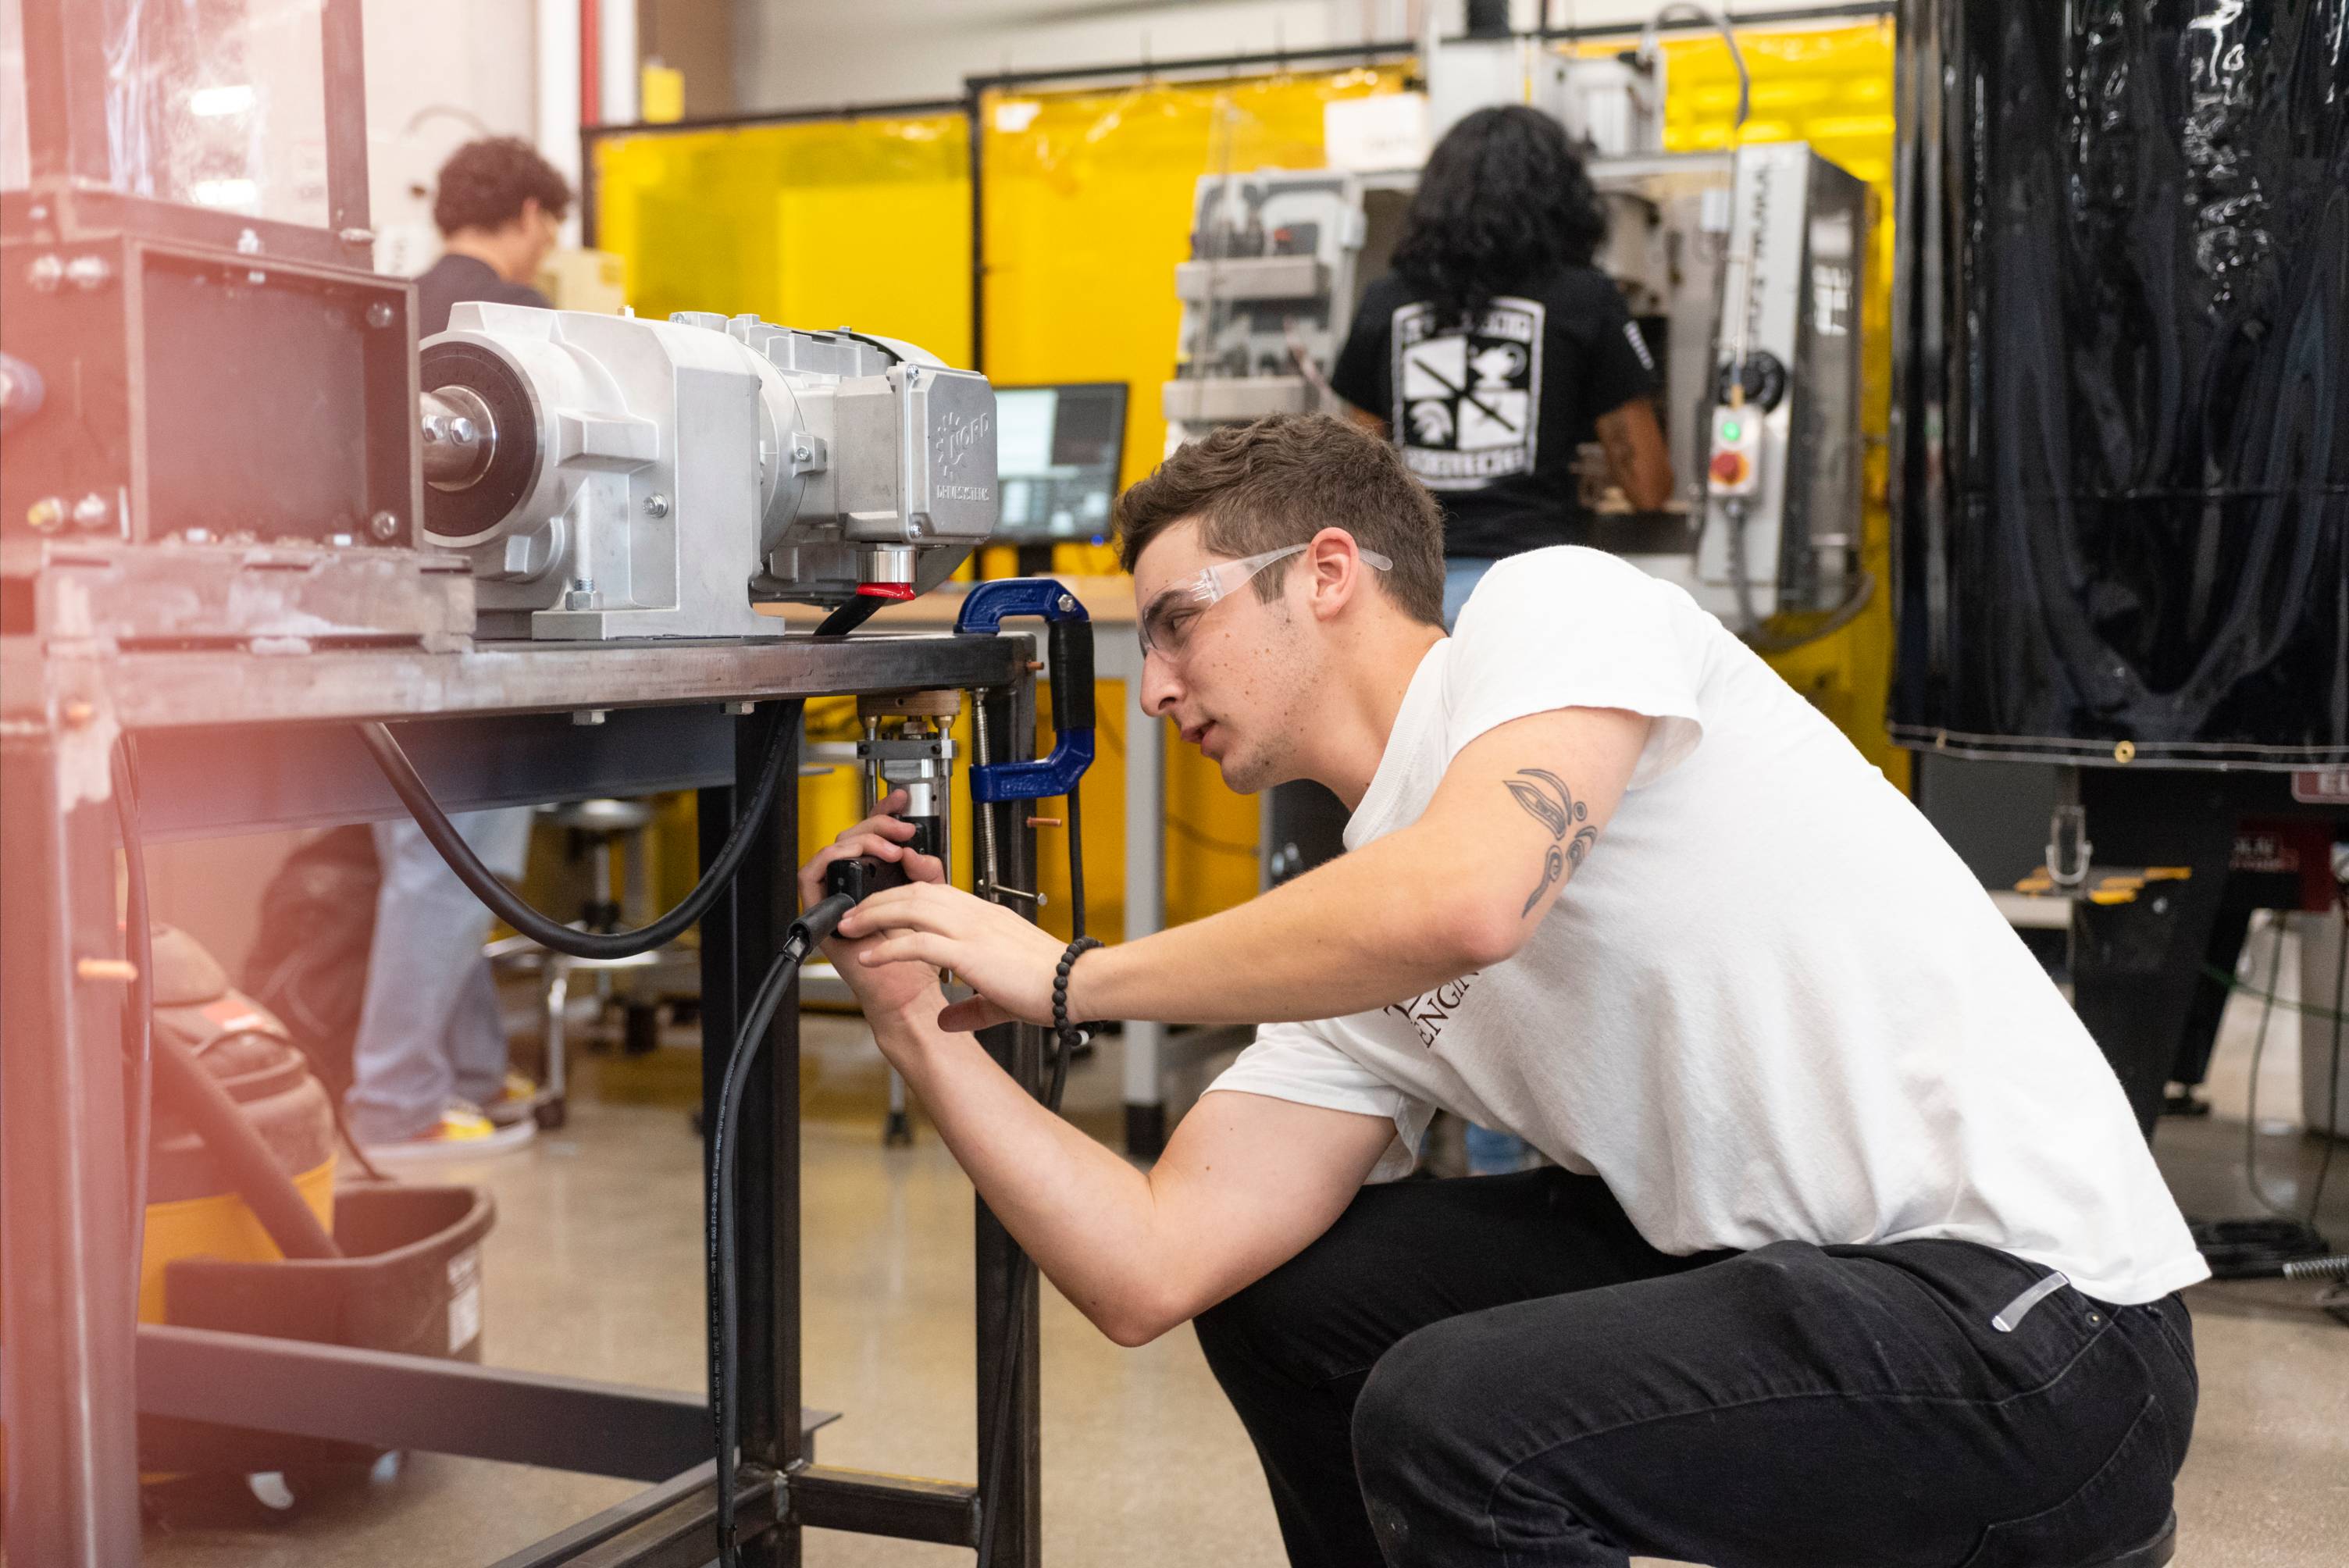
1504, 1372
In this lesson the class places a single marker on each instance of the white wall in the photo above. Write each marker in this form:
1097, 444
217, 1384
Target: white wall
805, 54
440, 72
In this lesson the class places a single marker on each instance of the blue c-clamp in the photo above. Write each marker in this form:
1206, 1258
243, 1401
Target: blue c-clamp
984, 610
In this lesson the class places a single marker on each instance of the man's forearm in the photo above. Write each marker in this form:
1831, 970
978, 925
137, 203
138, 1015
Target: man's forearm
1369, 928
1083, 1213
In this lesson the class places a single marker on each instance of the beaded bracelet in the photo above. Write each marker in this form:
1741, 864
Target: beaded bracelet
1064, 1031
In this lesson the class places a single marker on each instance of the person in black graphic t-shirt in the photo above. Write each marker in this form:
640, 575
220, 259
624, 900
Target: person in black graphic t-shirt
1491, 352
1494, 348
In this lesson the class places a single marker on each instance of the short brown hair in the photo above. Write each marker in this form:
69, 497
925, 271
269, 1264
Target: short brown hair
484, 184
1282, 481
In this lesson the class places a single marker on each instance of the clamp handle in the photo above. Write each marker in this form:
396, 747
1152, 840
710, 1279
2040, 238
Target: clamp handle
1071, 638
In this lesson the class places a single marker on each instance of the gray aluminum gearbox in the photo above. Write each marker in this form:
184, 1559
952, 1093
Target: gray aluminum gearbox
610, 477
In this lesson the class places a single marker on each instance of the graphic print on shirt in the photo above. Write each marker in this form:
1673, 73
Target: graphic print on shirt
1430, 1013
1468, 403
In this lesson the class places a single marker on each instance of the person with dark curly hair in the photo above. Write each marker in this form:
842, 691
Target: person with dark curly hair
499, 206
1493, 351
1494, 348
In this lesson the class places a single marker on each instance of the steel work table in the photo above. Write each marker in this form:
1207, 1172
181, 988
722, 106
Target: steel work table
229, 741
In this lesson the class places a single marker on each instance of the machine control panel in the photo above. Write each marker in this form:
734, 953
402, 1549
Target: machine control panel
1735, 468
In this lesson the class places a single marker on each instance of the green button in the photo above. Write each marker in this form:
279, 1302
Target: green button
1730, 430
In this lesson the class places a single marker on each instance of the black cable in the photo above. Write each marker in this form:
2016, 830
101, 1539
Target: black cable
139, 1025
851, 616
509, 907
724, 1309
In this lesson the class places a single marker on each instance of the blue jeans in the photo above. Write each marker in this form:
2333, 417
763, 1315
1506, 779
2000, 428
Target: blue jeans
1490, 1153
428, 1028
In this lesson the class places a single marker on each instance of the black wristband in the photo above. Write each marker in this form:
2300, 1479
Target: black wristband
1063, 1030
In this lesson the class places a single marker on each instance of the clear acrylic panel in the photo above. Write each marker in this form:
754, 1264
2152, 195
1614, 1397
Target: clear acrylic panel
15, 149
219, 104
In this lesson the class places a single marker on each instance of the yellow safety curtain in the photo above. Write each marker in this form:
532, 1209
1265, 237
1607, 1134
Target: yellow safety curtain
858, 223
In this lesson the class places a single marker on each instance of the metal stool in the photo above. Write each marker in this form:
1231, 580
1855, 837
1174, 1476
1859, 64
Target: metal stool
595, 825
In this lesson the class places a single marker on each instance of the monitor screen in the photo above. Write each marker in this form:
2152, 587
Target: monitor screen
1056, 455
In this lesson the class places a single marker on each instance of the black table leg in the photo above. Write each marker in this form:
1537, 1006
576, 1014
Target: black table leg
1008, 1291
739, 936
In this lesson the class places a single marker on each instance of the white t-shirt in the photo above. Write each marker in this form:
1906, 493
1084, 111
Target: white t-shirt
1771, 1005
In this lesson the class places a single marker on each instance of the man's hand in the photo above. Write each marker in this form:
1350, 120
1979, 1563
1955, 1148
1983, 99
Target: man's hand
886, 989
992, 949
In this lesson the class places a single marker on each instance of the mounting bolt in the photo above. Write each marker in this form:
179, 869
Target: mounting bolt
92, 513
355, 236
380, 313
384, 525
1067, 604
90, 274
741, 709
46, 273
587, 715
582, 595
434, 429
656, 505
45, 515
248, 242
197, 535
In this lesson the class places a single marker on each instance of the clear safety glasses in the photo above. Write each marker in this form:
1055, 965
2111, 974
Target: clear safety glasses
1166, 625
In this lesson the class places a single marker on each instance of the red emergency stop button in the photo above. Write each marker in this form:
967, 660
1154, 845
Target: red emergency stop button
1728, 467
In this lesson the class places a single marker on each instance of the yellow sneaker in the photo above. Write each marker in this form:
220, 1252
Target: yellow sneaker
516, 1098
463, 1132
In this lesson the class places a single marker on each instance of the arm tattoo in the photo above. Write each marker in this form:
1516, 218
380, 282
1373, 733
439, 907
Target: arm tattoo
1546, 799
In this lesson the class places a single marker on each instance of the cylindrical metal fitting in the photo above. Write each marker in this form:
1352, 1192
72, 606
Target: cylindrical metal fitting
891, 563
460, 437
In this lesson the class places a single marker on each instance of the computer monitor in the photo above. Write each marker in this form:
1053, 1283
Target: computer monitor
1056, 458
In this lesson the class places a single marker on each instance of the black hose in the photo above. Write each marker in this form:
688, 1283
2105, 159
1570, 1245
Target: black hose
139, 1025
725, 1330
851, 616
507, 906
244, 1158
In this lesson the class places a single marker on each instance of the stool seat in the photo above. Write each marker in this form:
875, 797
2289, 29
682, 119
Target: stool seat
600, 816
2154, 1554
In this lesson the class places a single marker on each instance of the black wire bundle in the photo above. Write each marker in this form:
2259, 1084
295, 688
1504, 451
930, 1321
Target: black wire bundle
507, 906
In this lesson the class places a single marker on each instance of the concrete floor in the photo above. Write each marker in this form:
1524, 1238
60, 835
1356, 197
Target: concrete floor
595, 1269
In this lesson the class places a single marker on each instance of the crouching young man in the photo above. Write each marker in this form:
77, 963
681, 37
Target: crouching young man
1852, 1253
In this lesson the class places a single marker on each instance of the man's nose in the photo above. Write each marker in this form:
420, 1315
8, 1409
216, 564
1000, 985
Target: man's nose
1160, 688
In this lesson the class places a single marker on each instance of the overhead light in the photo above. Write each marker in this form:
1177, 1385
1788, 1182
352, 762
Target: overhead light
225, 193
213, 102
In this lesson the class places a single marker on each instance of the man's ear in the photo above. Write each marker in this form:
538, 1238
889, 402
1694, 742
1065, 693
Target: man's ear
1337, 571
